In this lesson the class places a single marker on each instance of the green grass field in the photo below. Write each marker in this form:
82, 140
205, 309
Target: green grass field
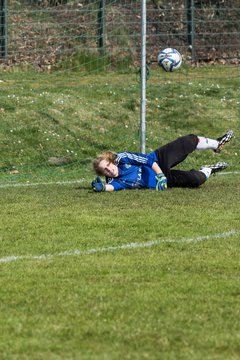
127, 275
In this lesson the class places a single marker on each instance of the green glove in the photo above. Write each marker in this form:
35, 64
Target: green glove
161, 182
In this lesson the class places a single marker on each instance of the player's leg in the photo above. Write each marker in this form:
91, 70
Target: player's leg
180, 178
175, 152
193, 178
216, 145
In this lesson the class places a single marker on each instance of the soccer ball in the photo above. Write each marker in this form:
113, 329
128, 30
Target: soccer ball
169, 59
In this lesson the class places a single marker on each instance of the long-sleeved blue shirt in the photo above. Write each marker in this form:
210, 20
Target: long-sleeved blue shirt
134, 171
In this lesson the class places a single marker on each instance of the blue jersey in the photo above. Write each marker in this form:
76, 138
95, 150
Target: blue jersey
134, 171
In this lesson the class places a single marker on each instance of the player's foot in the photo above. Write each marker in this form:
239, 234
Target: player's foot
223, 140
216, 168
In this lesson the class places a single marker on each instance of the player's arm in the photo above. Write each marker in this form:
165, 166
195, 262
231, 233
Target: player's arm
156, 168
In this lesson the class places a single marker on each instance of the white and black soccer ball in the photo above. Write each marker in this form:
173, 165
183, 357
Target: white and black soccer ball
169, 59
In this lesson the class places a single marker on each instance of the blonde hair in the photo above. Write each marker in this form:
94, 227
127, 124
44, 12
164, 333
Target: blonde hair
109, 156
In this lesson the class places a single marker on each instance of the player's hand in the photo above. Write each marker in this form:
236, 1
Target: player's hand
98, 185
161, 182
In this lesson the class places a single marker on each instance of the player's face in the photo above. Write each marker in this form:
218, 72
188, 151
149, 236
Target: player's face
108, 169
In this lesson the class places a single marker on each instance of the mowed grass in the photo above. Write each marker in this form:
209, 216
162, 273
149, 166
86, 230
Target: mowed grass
171, 300
127, 275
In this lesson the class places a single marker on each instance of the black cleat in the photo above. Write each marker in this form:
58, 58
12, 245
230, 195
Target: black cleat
217, 167
223, 140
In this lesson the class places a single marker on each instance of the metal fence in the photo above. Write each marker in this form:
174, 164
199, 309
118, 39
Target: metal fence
44, 32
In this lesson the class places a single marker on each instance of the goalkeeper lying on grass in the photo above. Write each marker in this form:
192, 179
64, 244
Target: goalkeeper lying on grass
128, 170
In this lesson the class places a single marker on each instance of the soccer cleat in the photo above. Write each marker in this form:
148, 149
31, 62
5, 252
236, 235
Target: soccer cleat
223, 140
216, 168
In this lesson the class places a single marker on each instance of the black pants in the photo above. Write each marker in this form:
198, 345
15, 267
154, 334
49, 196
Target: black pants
174, 153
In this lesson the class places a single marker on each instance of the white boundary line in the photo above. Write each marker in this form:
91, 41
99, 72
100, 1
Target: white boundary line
229, 173
129, 246
70, 182
42, 183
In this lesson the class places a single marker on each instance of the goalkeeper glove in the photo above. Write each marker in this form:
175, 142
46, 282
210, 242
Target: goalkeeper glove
161, 182
98, 185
